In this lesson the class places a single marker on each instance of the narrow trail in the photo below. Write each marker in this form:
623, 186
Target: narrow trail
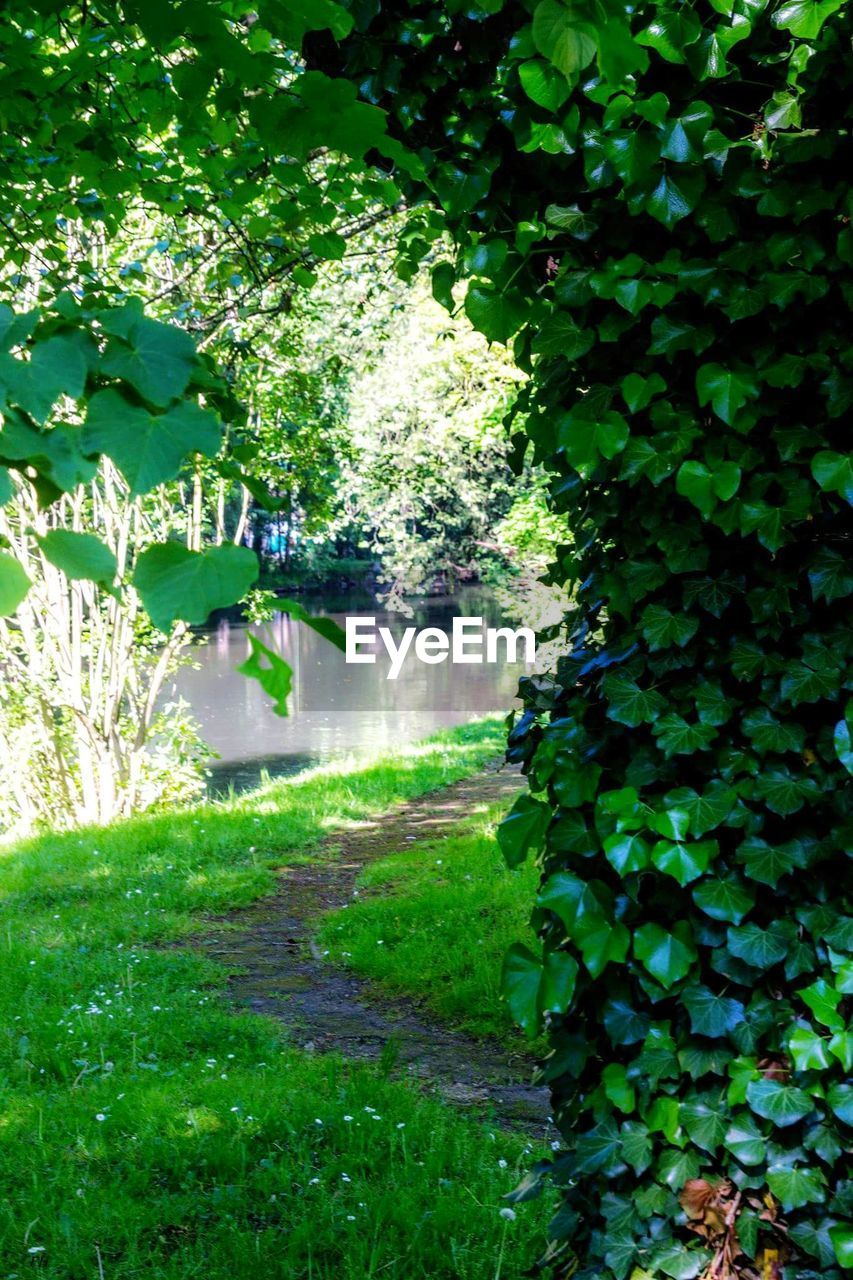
282, 974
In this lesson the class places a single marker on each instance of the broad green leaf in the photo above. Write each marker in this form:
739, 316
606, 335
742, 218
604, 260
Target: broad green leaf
834, 471
175, 583
560, 336
784, 1104
522, 974
668, 957
727, 900
684, 862
745, 1140
523, 829
14, 584
808, 1050
497, 315
705, 1121
702, 812
663, 628
841, 1236
764, 862
559, 39
628, 703
273, 674
571, 219
711, 1015
56, 367
79, 555
804, 18
840, 1099
532, 986
586, 441
761, 948
824, 1001
726, 390
675, 197
618, 1088
676, 737
544, 84
671, 33
626, 853
147, 448
156, 359
795, 1186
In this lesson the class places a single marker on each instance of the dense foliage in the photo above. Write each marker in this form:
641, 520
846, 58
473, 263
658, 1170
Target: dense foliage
651, 202
654, 198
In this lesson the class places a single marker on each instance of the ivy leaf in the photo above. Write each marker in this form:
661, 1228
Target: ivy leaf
544, 84
586, 440
710, 1014
833, 471
14, 584
784, 1104
808, 1050
523, 829
761, 948
572, 219
725, 390
626, 853
148, 449
795, 1186
668, 957
628, 703
684, 862
764, 862
273, 674
702, 812
674, 198
840, 1099
559, 39
522, 975
617, 1087
532, 986
745, 1140
841, 1235
671, 33
705, 1122
663, 628
79, 555
175, 583
769, 734
726, 900
676, 737
497, 314
560, 336
804, 18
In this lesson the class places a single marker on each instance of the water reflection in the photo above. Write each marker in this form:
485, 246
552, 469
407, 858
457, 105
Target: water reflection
335, 707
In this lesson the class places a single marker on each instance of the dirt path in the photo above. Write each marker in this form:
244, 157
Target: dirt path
282, 974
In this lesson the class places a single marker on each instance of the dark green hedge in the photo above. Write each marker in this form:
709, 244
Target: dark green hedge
653, 203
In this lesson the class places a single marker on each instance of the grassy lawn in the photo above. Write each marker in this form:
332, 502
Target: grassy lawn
148, 1131
435, 923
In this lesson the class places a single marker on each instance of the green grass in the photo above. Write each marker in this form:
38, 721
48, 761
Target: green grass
435, 922
148, 1131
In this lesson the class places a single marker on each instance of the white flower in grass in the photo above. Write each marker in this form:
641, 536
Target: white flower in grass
100, 1116
508, 1214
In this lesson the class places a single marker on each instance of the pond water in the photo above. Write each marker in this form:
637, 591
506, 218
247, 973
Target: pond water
336, 708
